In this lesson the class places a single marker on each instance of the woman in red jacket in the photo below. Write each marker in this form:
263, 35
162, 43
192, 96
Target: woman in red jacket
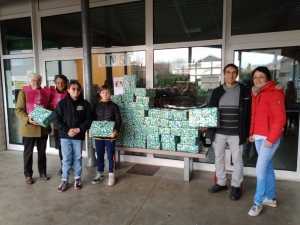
267, 122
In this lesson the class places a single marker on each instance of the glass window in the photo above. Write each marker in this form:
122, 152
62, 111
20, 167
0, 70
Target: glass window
186, 76
118, 25
250, 17
111, 26
108, 66
70, 69
16, 36
283, 64
15, 71
62, 31
184, 79
187, 20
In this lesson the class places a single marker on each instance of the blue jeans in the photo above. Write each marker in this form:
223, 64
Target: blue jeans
72, 154
265, 186
110, 149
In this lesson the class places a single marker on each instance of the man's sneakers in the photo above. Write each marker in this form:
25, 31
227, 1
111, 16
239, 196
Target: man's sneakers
236, 193
255, 210
77, 183
217, 188
270, 202
98, 178
111, 179
63, 185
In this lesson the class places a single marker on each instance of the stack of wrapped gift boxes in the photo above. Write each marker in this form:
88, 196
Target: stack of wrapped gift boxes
154, 128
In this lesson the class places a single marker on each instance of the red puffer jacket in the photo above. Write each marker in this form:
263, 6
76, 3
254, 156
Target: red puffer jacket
268, 112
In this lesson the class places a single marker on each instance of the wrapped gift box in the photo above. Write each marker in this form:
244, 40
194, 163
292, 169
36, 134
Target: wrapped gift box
187, 148
153, 144
139, 113
185, 140
152, 121
168, 146
190, 132
180, 115
177, 131
179, 124
151, 129
102, 128
170, 138
140, 136
127, 97
128, 90
155, 113
145, 100
204, 117
139, 143
145, 92
166, 114
42, 116
128, 142
164, 123
138, 106
116, 99
163, 130
129, 81
153, 137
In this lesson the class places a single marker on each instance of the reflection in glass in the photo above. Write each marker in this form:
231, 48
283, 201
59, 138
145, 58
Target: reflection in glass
187, 80
284, 66
111, 26
188, 20
108, 66
118, 25
16, 36
16, 71
264, 16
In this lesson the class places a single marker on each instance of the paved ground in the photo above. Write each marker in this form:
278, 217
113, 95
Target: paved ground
135, 200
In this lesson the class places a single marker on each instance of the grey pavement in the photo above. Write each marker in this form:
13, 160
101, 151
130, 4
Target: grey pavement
135, 199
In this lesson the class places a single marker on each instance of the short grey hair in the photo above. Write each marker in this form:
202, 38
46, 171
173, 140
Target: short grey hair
31, 75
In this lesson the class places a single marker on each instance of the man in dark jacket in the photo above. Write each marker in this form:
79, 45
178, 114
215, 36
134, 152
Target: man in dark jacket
234, 102
73, 117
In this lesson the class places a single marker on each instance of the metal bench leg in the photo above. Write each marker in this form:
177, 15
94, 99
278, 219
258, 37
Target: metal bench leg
118, 157
188, 168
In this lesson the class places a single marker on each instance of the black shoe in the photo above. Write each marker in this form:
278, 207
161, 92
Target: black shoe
217, 188
235, 194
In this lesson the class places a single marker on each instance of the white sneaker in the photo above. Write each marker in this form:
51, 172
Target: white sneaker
270, 202
111, 179
255, 210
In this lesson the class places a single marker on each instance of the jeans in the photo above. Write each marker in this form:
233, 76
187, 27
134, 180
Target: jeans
237, 159
72, 154
110, 149
265, 186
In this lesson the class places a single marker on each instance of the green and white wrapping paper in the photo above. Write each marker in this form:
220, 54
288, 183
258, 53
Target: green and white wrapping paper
153, 144
187, 148
204, 117
102, 128
145, 92
180, 115
179, 124
168, 146
128, 97
164, 130
129, 81
42, 116
139, 143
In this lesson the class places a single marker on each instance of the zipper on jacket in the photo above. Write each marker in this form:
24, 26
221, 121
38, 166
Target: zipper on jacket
269, 128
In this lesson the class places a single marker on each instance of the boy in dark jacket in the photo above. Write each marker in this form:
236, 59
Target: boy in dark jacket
106, 110
72, 117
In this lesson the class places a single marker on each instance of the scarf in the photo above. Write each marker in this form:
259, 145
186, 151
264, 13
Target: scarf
256, 90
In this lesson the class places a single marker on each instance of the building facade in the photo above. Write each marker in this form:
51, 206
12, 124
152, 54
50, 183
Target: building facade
178, 46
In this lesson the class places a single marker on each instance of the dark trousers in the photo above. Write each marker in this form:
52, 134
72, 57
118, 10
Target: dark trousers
110, 149
57, 143
41, 144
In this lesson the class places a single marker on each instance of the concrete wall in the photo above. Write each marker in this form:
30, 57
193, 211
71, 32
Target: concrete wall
2, 120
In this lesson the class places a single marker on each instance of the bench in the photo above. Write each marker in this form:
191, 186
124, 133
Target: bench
188, 157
